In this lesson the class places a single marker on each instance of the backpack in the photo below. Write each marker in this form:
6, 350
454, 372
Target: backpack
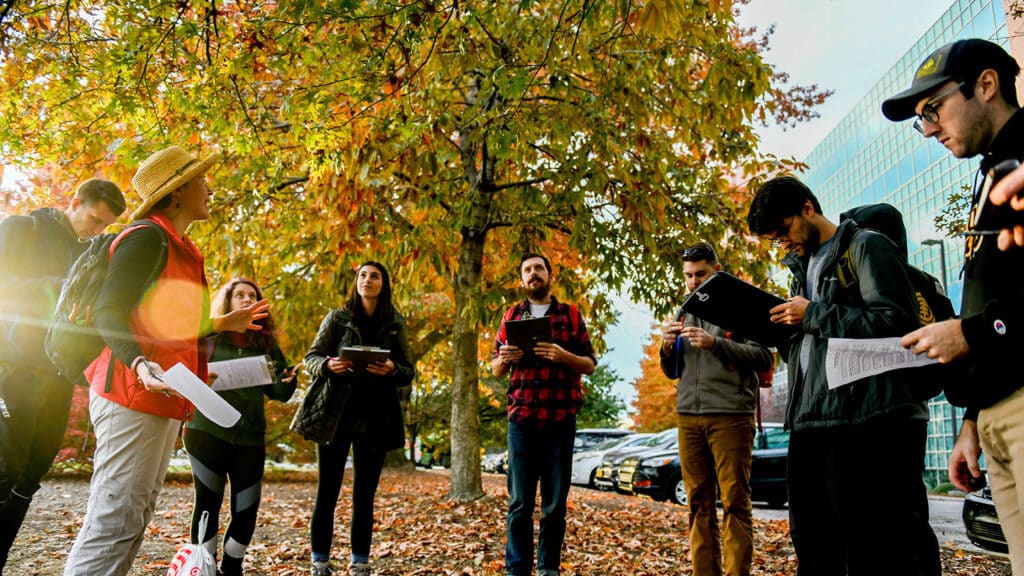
932, 303
72, 341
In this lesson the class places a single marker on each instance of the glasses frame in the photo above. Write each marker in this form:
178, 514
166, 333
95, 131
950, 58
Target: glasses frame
781, 234
930, 110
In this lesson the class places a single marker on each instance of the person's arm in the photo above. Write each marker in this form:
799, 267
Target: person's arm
504, 355
963, 460
743, 353
580, 358
135, 260
284, 385
404, 370
672, 347
1010, 189
324, 346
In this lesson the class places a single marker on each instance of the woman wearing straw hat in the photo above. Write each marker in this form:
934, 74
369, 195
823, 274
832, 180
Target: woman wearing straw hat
148, 327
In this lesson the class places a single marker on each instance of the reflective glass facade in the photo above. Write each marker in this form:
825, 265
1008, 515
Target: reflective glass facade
868, 159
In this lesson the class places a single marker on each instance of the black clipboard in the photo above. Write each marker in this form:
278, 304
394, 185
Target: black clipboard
525, 334
362, 356
740, 307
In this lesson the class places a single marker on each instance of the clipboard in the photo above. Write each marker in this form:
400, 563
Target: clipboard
361, 356
525, 334
738, 306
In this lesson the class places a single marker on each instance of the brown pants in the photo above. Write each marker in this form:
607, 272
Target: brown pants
714, 452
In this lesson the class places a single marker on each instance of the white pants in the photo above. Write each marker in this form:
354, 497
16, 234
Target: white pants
1001, 431
132, 452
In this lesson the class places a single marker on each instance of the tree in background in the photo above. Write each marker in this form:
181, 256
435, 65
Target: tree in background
655, 404
442, 138
602, 407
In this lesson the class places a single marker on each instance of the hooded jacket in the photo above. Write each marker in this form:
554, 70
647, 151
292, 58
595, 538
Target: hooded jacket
36, 252
357, 402
992, 309
879, 303
722, 380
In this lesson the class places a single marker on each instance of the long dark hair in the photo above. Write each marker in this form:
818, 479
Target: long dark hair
385, 310
266, 338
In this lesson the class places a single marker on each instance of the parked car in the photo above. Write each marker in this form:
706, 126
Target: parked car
494, 462
607, 475
587, 438
982, 522
585, 464
657, 473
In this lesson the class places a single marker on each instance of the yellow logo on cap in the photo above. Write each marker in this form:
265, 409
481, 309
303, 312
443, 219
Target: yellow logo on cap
930, 66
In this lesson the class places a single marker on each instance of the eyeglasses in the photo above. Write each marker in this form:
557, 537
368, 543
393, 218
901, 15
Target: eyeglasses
782, 233
930, 110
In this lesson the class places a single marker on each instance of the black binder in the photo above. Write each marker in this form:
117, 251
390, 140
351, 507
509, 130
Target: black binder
739, 307
525, 334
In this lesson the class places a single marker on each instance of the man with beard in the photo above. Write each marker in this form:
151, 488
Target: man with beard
847, 283
544, 394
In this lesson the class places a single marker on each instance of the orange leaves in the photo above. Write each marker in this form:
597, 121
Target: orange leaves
655, 402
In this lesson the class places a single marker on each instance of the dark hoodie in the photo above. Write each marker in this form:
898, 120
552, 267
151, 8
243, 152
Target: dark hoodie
35, 254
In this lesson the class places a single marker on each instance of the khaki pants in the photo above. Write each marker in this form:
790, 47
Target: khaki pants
714, 453
1001, 431
132, 452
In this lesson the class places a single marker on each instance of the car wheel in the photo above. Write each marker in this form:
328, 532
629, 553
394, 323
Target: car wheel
679, 491
593, 476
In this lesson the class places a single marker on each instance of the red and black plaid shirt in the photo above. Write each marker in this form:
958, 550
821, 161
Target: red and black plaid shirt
539, 390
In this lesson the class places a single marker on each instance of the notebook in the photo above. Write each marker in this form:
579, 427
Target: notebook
739, 307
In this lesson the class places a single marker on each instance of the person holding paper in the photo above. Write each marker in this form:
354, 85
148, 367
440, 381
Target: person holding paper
350, 407
147, 329
716, 394
868, 433
544, 395
235, 454
965, 96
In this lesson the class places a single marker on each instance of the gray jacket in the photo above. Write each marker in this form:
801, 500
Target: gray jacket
722, 380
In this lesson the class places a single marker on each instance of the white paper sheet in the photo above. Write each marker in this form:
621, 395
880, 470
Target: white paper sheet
242, 372
184, 382
850, 359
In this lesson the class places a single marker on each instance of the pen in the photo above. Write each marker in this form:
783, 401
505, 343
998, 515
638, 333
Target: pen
981, 233
156, 377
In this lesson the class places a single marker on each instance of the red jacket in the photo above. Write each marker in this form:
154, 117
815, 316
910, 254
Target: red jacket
166, 325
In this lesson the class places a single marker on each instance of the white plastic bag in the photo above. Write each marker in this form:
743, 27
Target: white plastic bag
194, 559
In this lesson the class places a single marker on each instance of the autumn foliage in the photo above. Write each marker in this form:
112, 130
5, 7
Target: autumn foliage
655, 404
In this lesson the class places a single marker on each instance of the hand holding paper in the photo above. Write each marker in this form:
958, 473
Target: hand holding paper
184, 382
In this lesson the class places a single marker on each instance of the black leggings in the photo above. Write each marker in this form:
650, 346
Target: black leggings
213, 462
368, 461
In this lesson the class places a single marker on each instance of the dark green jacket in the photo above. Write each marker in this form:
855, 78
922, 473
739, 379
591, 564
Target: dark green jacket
369, 404
252, 426
879, 303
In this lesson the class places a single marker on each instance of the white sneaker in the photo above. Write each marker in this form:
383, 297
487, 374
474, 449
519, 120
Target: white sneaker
359, 570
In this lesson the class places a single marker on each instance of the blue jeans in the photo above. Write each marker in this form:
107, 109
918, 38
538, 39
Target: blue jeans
537, 453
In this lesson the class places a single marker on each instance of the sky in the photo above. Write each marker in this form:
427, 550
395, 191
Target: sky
841, 45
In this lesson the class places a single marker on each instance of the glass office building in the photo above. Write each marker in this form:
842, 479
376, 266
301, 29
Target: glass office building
868, 159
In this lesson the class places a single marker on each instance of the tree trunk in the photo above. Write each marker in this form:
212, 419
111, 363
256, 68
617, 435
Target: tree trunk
465, 425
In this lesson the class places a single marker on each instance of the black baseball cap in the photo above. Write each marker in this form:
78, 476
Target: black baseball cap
963, 60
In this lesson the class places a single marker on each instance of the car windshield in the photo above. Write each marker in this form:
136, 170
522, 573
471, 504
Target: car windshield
608, 444
659, 438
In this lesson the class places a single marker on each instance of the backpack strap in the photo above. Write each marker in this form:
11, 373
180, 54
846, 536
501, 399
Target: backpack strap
154, 274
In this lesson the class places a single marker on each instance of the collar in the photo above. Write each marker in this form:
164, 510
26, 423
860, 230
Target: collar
1006, 144
525, 304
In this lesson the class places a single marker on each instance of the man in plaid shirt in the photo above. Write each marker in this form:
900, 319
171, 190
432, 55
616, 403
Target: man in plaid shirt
544, 395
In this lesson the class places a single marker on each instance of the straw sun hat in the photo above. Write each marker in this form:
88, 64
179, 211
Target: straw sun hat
163, 172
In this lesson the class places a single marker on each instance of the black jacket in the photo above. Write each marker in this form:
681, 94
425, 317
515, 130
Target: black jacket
879, 303
992, 309
36, 252
357, 402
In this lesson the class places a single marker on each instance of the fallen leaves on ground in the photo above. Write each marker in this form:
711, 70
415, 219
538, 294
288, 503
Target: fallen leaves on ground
419, 531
